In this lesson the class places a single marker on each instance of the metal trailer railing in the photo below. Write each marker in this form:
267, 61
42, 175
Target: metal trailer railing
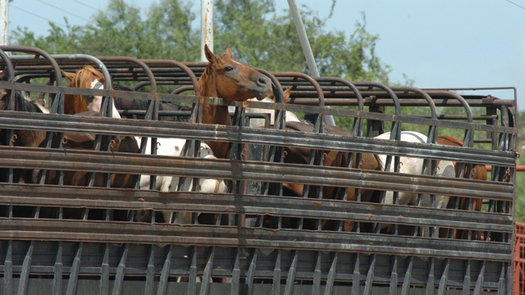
57, 255
519, 260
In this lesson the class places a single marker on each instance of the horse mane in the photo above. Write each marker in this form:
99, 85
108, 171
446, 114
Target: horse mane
204, 78
82, 77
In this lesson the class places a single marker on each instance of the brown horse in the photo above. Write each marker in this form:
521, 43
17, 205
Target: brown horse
478, 172
87, 77
332, 159
230, 80
84, 105
27, 138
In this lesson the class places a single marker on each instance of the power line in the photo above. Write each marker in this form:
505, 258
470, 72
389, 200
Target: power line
36, 15
516, 4
62, 10
85, 5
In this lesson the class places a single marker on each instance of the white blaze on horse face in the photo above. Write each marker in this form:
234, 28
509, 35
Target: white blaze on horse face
96, 104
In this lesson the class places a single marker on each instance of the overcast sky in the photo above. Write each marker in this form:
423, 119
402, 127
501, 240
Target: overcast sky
450, 44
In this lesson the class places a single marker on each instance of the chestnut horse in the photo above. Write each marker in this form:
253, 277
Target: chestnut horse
231, 80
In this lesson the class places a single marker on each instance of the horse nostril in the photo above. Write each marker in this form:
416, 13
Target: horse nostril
262, 81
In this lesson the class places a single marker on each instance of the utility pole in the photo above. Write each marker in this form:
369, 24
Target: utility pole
4, 22
206, 26
308, 54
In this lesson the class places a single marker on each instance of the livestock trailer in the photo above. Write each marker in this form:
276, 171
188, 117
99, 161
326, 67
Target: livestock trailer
419, 252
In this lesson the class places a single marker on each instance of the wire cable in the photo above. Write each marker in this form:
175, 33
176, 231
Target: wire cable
36, 15
516, 4
83, 4
62, 10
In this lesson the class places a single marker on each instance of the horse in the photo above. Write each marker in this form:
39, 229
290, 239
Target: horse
478, 172
26, 138
165, 146
295, 155
231, 80
331, 158
410, 165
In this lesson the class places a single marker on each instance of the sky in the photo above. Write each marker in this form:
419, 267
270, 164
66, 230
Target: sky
438, 44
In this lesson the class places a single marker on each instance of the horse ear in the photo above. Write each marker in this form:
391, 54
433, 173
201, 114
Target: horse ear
228, 52
286, 94
69, 76
209, 55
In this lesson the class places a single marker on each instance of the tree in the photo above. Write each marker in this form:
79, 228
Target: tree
167, 32
258, 36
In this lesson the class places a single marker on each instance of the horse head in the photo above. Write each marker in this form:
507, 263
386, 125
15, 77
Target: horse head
87, 77
232, 80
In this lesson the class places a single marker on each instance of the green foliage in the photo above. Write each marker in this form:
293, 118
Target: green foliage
258, 36
278, 47
120, 31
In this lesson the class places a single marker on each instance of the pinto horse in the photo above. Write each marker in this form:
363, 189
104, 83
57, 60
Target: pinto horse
414, 166
478, 172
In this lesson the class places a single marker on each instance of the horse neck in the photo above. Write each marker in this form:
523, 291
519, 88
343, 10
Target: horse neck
213, 114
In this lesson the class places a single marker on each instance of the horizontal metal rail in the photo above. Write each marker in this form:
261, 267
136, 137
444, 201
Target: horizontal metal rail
109, 126
107, 162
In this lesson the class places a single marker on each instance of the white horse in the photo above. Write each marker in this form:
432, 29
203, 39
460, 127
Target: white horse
168, 147
414, 166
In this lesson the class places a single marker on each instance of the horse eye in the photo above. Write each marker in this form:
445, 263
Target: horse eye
227, 69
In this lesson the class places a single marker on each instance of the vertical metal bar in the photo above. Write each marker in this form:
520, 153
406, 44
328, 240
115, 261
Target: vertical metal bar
481, 278
26, 269
502, 279
466, 279
303, 38
510, 275
276, 286
206, 26
150, 271
236, 273
331, 275
307, 49
356, 276
430, 279
121, 271
8, 269
75, 268
393, 276
104, 272
251, 273
408, 276
291, 274
192, 288
370, 275
316, 288
163, 281
206, 276
4, 22
444, 278
59, 266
